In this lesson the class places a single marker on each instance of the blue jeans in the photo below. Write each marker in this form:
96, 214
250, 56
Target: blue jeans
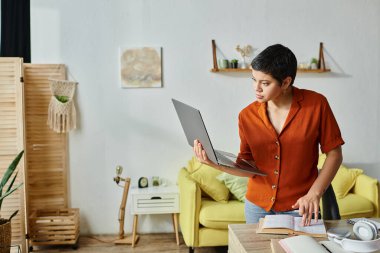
253, 213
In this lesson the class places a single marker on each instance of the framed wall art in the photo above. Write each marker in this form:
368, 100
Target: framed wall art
140, 67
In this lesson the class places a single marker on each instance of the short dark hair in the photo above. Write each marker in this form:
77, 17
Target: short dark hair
278, 61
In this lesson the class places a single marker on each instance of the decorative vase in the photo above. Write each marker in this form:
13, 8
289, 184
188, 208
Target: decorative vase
244, 64
5, 236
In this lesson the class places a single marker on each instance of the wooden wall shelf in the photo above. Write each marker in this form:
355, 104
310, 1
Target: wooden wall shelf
230, 70
313, 70
321, 63
249, 70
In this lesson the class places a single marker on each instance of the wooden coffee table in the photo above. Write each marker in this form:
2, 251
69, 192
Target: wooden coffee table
242, 238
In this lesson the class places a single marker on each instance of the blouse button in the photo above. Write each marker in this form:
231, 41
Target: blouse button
277, 143
272, 199
274, 186
276, 157
276, 172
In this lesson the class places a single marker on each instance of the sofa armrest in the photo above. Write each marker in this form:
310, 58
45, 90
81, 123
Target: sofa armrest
368, 188
190, 203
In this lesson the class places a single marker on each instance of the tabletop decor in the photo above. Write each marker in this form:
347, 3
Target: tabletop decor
244, 51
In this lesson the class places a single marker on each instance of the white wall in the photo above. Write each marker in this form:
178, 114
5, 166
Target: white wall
139, 129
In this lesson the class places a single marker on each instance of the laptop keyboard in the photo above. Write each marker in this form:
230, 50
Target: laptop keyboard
223, 160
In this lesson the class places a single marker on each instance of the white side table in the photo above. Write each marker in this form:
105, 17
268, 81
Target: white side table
155, 200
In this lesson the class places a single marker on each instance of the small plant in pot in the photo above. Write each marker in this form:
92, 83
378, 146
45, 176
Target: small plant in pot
314, 63
5, 191
234, 63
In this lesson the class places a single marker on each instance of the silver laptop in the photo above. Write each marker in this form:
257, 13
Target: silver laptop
194, 128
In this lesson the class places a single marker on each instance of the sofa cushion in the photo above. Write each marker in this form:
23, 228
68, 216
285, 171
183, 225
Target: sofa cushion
344, 179
354, 205
236, 185
205, 176
218, 215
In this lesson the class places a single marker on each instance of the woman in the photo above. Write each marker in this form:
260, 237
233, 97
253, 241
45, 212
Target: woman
281, 132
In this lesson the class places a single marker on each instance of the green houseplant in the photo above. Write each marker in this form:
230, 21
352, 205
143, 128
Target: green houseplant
314, 63
234, 63
5, 191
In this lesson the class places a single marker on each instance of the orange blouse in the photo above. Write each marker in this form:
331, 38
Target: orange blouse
290, 158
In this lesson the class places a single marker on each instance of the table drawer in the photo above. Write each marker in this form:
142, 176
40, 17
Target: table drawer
155, 203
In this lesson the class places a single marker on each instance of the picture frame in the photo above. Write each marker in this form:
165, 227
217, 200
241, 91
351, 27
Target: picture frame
141, 67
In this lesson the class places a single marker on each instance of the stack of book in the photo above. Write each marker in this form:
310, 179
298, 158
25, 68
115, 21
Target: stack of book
305, 243
301, 240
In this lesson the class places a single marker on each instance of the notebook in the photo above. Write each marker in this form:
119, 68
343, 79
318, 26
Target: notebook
194, 128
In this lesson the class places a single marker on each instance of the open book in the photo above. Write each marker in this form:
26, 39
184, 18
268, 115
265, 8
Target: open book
290, 225
299, 244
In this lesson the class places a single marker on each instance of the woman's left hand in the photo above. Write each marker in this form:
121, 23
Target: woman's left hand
307, 205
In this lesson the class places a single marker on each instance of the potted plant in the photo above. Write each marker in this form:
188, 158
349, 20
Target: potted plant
5, 191
314, 63
234, 63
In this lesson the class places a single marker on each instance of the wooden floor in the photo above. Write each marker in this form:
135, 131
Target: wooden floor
146, 243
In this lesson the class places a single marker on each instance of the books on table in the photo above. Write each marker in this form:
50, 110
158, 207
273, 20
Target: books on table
290, 225
276, 247
305, 243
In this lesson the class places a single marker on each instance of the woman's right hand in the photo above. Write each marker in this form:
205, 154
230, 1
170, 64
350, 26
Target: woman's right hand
200, 153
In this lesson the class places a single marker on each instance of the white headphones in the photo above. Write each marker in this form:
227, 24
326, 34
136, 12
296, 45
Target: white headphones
364, 230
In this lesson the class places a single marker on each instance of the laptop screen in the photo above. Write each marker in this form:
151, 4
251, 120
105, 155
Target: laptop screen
194, 127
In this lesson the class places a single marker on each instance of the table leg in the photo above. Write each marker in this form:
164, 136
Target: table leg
175, 223
135, 220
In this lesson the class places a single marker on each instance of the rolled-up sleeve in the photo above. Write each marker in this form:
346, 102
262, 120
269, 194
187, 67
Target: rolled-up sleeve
330, 135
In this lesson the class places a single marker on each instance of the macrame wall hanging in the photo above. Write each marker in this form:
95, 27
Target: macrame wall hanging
62, 113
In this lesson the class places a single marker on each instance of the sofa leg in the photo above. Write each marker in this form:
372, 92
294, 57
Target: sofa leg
191, 250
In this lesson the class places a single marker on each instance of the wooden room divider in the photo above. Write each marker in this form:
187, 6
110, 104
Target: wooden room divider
46, 150
50, 222
24, 100
12, 142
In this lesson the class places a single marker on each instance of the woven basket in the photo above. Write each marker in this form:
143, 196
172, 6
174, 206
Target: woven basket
5, 236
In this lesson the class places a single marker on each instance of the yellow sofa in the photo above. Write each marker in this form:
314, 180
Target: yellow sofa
362, 200
357, 194
204, 221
